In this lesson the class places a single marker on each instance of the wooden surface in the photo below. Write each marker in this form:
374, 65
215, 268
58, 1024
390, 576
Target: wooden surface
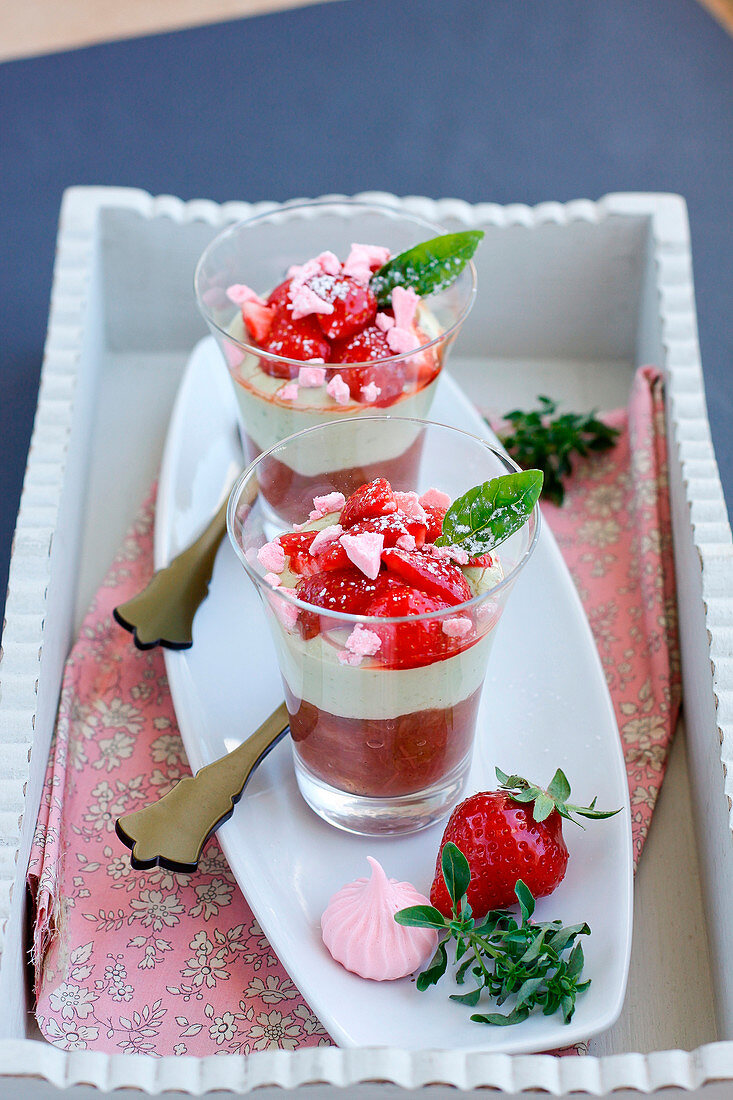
46, 26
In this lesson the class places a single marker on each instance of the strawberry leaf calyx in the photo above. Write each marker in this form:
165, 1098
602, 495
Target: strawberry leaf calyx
555, 797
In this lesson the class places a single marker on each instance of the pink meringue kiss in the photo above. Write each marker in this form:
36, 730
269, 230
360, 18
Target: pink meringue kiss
361, 933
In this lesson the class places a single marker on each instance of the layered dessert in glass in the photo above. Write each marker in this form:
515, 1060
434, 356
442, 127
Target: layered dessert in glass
310, 334
382, 627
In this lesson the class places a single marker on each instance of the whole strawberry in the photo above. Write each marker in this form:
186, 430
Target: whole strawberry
510, 834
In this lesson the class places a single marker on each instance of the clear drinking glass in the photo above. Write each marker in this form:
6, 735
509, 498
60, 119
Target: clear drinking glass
258, 252
381, 745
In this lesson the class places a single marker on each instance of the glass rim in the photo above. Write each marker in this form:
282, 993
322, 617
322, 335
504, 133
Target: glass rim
298, 204
350, 617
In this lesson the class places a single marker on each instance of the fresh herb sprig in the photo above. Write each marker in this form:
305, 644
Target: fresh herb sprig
489, 513
544, 440
538, 965
427, 267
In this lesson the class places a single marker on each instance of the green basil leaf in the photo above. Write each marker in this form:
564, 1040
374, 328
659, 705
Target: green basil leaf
428, 267
488, 514
456, 871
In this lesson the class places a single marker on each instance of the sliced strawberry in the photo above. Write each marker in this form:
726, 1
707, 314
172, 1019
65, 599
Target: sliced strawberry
300, 340
345, 590
279, 299
373, 499
365, 346
483, 561
354, 305
296, 547
333, 557
410, 644
393, 526
436, 576
258, 319
435, 521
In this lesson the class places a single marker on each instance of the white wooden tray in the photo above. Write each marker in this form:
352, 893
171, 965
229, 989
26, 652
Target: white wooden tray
573, 298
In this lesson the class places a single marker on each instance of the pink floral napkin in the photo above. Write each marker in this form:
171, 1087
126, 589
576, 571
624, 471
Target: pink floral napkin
162, 963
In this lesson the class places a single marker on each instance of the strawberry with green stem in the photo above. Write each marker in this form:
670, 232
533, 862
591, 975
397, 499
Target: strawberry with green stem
510, 834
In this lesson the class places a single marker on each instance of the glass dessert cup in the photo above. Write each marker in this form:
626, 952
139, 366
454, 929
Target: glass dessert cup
381, 741
272, 403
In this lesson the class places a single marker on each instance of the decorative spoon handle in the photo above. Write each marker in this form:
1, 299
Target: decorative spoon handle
163, 613
172, 832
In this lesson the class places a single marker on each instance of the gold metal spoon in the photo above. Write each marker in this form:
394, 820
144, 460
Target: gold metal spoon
171, 832
163, 613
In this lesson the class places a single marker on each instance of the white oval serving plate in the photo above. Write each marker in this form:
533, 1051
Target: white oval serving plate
545, 705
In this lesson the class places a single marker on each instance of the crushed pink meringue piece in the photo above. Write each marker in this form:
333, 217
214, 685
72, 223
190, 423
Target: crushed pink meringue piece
324, 538
234, 356
239, 293
338, 390
409, 504
363, 259
288, 392
363, 641
459, 555
331, 502
286, 612
310, 377
305, 301
371, 392
273, 579
300, 272
406, 542
359, 644
384, 322
364, 551
346, 658
457, 627
360, 931
402, 340
435, 498
329, 263
404, 303
272, 557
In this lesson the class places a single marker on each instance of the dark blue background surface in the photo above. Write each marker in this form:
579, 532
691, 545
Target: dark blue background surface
487, 100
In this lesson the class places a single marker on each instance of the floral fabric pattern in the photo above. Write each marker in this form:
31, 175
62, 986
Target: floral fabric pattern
160, 963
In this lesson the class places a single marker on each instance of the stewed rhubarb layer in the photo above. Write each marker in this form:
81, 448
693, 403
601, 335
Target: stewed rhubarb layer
383, 757
386, 704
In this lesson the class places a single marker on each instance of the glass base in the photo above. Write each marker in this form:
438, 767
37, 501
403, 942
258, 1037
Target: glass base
395, 816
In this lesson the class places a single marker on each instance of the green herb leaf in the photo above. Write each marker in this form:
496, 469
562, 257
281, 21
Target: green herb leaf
428, 267
471, 999
420, 916
520, 962
525, 899
546, 441
435, 971
456, 872
488, 514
